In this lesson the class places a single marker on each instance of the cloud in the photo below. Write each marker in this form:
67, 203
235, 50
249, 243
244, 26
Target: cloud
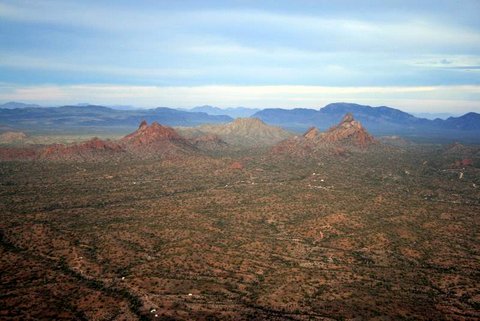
29, 63
242, 44
255, 26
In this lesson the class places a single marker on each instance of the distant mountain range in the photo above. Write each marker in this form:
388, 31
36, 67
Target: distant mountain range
236, 112
14, 105
99, 119
378, 120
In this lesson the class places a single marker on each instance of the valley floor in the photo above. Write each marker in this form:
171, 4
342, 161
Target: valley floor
368, 235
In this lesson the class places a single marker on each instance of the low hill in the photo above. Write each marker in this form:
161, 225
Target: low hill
247, 132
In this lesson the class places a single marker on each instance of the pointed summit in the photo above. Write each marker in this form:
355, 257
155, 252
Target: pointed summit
155, 140
311, 133
143, 124
349, 131
145, 134
348, 118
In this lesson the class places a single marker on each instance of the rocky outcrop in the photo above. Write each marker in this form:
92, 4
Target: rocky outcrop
349, 131
312, 133
156, 140
147, 135
348, 135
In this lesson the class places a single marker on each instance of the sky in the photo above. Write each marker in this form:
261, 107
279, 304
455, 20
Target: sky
418, 56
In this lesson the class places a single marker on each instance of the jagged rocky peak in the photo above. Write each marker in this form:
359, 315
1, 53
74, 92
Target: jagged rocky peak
146, 134
311, 133
348, 118
143, 124
349, 131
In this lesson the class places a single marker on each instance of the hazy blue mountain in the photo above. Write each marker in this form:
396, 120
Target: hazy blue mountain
469, 121
374, 118
13, 105
297, 119
368, 112
379, 120
75, 119
235, 112
100, 119
123, 107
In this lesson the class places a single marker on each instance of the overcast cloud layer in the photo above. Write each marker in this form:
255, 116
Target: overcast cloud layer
419, 56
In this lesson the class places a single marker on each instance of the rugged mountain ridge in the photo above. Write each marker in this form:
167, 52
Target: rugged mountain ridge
379, 120
349, 135
148, 141
98, 119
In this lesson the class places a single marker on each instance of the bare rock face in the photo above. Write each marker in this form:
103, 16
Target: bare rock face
312, 133
143, 125
349, 131
348, 118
